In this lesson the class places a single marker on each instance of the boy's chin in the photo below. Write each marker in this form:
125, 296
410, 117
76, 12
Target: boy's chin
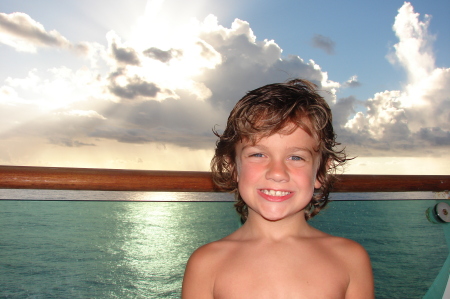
275, 217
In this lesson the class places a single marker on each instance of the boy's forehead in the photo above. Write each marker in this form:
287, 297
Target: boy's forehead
285, 131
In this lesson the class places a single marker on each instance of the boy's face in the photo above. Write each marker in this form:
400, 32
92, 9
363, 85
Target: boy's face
277, 175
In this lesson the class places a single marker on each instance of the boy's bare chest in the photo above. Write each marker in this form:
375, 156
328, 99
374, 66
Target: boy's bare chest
280, 274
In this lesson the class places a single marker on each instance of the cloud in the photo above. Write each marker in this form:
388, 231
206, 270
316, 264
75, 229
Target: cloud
323, 42
83, 113
419, 115
435, 136
414, 49
66, 142
24, 34
123, 55
173, 94
343, 109
20, 31
155, 101
248, 63
163, 56
352, 82
132, 87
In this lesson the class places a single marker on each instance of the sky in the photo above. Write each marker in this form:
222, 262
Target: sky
141, 84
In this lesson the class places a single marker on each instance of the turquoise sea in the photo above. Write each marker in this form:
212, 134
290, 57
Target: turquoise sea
91, 244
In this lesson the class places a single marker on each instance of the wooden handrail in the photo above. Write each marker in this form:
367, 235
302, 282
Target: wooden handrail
28, 177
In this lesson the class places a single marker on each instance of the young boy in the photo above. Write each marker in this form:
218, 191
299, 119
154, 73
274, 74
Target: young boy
277, 154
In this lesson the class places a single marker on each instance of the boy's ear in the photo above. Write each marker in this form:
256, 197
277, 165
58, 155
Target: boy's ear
317, 184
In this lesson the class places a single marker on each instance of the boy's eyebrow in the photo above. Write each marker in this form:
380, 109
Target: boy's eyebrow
253, 145
257, 146
291, 149
301, 149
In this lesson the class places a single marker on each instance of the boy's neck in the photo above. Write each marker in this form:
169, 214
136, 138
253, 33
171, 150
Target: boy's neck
260, 228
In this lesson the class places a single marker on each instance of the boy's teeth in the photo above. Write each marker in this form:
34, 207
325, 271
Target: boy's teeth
275, 193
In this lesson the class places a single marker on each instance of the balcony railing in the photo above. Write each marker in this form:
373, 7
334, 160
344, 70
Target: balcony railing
27, 177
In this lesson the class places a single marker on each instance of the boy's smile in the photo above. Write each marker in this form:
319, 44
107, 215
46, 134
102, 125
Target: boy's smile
277, 175
275, 195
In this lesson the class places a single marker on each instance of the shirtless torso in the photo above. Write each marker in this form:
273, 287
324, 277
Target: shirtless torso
317, 265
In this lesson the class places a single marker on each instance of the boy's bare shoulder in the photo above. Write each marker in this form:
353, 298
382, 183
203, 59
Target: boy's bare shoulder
203, 266
345, 249
340, 243
212, 251
356, 261
349, 247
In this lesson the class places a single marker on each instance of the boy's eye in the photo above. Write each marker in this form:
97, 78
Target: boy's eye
296, 158
257, 155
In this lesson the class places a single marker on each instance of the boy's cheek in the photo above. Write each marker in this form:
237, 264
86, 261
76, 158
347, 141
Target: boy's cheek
243, 172
249, 173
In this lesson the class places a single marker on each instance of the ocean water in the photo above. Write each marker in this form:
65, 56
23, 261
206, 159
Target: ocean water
69, 246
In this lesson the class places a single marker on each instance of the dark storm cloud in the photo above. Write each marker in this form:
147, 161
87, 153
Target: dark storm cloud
323, 42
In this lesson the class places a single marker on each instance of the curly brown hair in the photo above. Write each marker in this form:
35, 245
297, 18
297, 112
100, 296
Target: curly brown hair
271, 109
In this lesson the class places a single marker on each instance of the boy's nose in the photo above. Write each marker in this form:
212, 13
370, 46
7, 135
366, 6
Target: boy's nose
277, 172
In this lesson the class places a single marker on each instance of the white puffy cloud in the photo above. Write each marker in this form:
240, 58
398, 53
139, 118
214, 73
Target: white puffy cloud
414, 49
418, 116
248, 63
